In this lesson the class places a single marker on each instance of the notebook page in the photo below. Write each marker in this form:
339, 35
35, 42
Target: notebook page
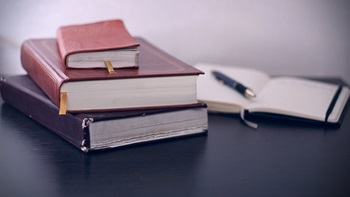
220, 97
295, 97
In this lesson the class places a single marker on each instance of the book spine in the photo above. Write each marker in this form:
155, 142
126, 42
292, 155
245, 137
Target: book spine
41, 72
42, 110
61, 46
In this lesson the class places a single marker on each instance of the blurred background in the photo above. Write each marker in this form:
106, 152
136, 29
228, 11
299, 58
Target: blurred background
292, 37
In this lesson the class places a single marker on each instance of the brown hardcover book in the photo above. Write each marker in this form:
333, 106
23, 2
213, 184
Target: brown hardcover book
161, 80
96, 131
89, 45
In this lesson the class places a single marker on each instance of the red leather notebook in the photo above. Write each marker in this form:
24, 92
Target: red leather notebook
161, 80
88, 45
95, 131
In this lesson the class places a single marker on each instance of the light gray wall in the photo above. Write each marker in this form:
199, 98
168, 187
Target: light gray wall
275, 35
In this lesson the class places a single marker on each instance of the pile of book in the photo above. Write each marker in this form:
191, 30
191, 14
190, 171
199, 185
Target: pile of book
98, 87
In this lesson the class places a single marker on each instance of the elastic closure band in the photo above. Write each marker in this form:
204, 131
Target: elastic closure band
247, 122
333, 102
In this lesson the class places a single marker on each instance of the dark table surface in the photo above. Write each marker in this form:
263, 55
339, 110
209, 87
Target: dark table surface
278, 159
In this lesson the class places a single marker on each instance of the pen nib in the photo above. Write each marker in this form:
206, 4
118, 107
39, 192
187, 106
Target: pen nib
249, 93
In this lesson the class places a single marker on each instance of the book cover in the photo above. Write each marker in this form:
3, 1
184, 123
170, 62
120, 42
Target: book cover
105, 37
41, 59
95, 131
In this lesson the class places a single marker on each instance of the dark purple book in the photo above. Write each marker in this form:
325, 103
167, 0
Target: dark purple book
103, 130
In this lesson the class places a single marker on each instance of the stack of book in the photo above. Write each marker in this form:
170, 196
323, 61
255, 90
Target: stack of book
144, 94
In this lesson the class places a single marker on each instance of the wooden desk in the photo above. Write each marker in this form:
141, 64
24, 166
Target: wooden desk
278, 159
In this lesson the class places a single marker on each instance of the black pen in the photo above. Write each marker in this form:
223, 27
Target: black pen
245, 91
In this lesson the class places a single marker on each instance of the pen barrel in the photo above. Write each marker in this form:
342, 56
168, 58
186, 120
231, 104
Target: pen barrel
239, 87
233, 84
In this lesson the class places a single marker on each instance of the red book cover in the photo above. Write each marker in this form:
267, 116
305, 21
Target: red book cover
99, 36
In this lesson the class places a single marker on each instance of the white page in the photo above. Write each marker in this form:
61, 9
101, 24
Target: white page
220, 97
296, 97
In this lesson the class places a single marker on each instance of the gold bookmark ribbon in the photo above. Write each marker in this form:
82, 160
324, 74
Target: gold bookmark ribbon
63, 103
109, 67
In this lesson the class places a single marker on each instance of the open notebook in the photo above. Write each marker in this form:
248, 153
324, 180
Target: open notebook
289, 96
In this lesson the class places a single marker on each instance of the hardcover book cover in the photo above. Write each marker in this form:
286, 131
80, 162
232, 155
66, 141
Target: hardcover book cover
96, 131
104, 36
42, 61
